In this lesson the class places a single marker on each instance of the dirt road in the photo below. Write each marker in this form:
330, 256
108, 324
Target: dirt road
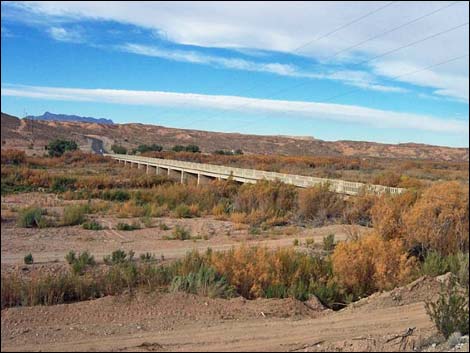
52, 244
195, 326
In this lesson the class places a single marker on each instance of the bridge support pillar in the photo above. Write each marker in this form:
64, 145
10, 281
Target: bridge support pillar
203, 179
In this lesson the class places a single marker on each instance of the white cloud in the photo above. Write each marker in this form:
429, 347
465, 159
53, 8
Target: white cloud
359, 79
284, 26
445, 84
199, 58
65, 35
337, 112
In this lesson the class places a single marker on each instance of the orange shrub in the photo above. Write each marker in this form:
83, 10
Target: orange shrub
439, 219
11, 156
387, 214
387, 178
319, 205
130, 209
256, 270
265, 200
358, 209
71, 158
238, 217
410, 183
371, 263
219, 211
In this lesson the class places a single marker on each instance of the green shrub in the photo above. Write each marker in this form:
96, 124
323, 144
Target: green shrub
118, 257
188, 148
74, 215
48, 289
127, 227
178, 148
463, 270
147, 257
299, 290
435, 264
183, 211
237, 152
296, 242
192, 148
121, 276
119, 149
62, 184
81, 263
276, 291
31, 217
450, 312
206, 282
329, 242
116, 195
71, 257
147, 148
28, 259
92, 225
58, 147
181, 233
331, 295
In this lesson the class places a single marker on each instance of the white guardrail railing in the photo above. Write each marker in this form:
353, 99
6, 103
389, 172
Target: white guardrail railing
340, 186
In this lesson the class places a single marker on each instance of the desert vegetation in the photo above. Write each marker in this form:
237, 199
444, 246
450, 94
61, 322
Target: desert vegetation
423, 231
58, 147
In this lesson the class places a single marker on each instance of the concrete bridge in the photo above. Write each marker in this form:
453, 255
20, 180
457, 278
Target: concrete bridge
202, 173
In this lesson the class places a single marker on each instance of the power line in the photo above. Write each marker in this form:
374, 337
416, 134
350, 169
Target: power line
393, 29
403, 75
285, 89
344, 26
413, 43
319, 38
392, 78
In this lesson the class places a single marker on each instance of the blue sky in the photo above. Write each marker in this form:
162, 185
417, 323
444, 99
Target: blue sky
373, 71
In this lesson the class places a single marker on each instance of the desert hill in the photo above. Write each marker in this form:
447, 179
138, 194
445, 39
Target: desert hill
33, 135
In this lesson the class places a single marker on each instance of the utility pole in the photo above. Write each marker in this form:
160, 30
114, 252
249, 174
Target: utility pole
25, 114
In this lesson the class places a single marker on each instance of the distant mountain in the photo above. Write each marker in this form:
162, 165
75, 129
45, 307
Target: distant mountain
63, 117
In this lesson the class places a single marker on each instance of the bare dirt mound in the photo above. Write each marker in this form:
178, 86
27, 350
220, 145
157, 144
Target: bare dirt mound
421, 290
143, 312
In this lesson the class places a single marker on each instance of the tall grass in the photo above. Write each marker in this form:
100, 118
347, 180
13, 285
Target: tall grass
32, 217
74, 215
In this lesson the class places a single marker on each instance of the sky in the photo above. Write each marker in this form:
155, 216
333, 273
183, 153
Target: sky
391, 71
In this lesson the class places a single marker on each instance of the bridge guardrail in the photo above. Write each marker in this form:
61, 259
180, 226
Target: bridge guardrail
337, 185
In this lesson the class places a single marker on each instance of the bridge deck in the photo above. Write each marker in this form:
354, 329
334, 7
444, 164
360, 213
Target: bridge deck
252, 175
